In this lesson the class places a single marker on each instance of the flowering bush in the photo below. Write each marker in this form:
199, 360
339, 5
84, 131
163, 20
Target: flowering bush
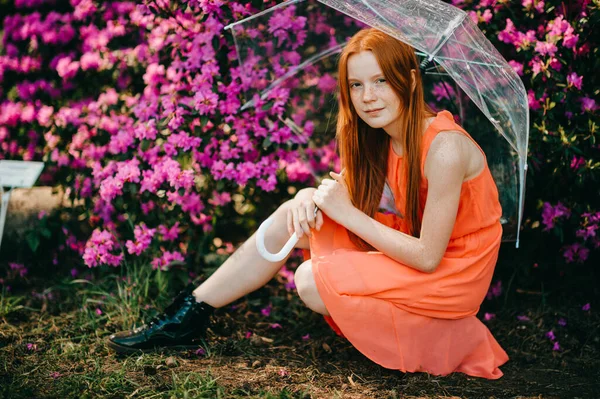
551, 46
135, 108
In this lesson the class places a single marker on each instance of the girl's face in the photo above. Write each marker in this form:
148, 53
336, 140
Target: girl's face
369, 91
372, 96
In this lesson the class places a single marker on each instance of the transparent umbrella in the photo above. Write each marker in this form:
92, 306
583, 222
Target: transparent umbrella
275, 45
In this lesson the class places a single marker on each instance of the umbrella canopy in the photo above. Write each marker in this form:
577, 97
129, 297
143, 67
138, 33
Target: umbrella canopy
274, 45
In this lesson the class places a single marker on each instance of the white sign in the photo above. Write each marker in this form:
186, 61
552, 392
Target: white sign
19, 173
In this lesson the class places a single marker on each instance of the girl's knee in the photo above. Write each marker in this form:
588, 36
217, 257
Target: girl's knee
303, 279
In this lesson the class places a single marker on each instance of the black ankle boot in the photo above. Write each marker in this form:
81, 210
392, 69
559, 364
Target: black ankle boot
179, 327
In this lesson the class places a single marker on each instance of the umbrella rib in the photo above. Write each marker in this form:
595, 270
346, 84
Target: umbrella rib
292, 71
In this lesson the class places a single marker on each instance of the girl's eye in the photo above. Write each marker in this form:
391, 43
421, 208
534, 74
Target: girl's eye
352, 85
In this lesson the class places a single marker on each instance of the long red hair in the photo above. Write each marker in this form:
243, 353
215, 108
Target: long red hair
364, 150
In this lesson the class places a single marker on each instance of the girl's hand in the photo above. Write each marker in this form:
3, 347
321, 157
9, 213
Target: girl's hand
332, 198
301, 217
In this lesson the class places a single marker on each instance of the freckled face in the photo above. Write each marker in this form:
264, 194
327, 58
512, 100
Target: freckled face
373, 98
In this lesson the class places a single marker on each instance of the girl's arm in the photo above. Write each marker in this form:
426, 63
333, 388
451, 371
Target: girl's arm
445, 168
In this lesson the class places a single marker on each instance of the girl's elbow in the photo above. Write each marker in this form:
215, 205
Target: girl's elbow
431, 265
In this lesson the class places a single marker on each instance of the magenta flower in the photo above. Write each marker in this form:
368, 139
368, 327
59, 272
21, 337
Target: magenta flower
143, 238
266, 311
588, 104
495, 290
248, 334
163, 262
489, 316
577, 162
556, 346
517, 66
575, 80
99, 250
575, 253
275, 325
98, 311
200, 352
562, 322
169, 234
306, 337
523, 318
551, 215
586, 307
206, 102
443, 91
550, 335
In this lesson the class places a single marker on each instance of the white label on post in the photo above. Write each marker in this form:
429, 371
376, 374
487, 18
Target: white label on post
19, 173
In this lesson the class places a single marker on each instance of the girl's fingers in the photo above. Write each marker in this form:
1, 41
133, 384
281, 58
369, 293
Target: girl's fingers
302, 218
297, 226
310, 214
319, 219
290, 225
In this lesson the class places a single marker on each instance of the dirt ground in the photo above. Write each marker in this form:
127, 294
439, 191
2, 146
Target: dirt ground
247, 357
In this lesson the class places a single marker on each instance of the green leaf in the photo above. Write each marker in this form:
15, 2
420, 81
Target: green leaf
33, 241
267, 142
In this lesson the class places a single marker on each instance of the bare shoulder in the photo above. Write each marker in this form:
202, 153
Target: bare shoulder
452, 149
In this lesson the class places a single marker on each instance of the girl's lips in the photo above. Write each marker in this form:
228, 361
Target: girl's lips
374, 112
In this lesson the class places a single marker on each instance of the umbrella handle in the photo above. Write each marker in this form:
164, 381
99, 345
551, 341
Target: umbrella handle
260, 242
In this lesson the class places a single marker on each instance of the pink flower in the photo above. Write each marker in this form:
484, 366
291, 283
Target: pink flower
443, 91
546, 48
523, 318
551, 215
575, 80
143, 239
165, 261
66, 68
169, 234
550, 335
98, 311
489, 316
575, 253
266, 311
248, 334
206, 102
495, 290
275, 325
586, 307
517, 66
562, 322
556, 346
306, 337
200, 352
99, 250
90, 61
577, 162
588, 104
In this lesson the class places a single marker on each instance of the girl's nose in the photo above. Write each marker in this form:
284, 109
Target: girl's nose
369, 94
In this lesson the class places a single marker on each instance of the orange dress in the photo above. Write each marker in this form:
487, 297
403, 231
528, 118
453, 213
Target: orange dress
405, 319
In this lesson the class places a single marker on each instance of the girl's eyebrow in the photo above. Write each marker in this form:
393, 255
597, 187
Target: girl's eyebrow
372, 77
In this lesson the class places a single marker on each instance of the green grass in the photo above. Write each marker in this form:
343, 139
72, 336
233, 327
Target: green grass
67, 356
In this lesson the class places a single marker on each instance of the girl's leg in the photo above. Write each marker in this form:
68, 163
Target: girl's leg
307, 288
246, 270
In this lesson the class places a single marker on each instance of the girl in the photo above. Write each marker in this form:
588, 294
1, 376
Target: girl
402, 250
